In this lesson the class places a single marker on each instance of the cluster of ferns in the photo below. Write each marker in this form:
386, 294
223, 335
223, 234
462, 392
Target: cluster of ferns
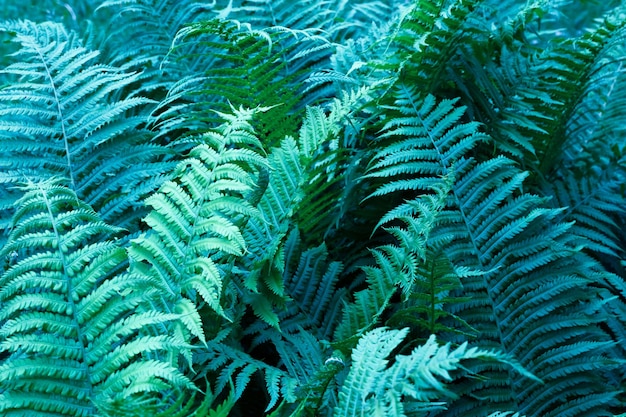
299, 208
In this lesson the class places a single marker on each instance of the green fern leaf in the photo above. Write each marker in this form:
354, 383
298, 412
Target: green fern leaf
247, 67
195, 217
71, 321
428, 36
492, 73
309, 280
298, 184
396, 266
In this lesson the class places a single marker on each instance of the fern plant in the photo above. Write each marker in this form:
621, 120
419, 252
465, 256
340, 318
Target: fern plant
346, 207
492, 215
492, 211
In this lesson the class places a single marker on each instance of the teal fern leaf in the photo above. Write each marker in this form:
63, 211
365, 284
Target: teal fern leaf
306, 321
196, 219
594, 204
495, 78
311, 286
266, 234
295, 14
495, 68
150, 26
593, 143
369, 361
426, 140
285, 282
513, 239
74, 15
72, 322
62, 114
567, 69
377, 388
513, 243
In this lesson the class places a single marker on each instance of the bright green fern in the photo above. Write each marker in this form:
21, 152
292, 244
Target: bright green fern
196, 219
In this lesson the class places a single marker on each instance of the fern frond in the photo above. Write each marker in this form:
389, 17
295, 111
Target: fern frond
69, 321
195, 220
310, 280
493, 74
141, 33
567, 69
593, 204
593, 144
299, 188
374, 387
428, 36
305, 321
74, 15
311, 287
528, 273
533, 283
369, 362
434, 288
330, 145
62, 114
299, 14
426, 139
249, 67
318, 23
396, 266
307, 358
277, 276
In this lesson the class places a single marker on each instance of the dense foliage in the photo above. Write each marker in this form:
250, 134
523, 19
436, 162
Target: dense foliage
312, 208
